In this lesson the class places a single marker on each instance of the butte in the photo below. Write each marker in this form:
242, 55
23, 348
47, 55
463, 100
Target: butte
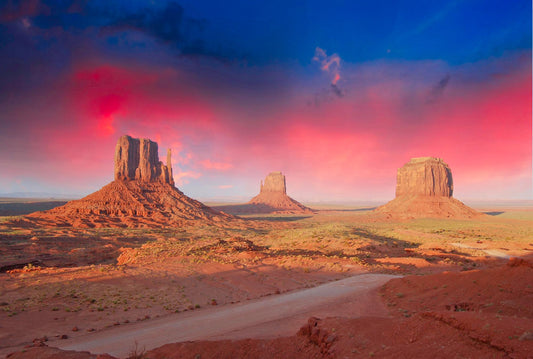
142, 195
273, 198
424, 188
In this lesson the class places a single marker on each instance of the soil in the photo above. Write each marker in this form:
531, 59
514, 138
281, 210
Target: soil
68, 281
476, 314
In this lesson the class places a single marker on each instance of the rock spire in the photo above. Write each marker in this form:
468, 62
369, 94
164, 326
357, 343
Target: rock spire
274, 182
138, 159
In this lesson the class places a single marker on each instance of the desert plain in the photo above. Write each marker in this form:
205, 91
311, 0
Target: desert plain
458, 294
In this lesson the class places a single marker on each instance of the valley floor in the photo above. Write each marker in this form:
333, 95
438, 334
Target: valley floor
74, 283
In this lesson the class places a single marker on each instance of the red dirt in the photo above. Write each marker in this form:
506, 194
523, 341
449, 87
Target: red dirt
479, 313
482, 313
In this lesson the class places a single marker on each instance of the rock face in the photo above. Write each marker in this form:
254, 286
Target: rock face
424, 188
138, 159
425, 176
142, 195
272, 198
274, 182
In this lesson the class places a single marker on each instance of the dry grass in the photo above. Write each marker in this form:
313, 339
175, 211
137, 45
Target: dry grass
171, 270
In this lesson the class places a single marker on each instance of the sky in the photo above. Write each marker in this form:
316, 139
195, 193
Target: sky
337, 95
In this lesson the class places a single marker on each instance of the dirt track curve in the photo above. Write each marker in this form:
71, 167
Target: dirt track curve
267, 317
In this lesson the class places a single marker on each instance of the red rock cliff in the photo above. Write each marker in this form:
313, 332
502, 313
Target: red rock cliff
138, 159
426, 176
274, 182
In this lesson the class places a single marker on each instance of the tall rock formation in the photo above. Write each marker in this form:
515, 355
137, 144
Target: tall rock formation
424, 188
272, 197
138, 159
142, 195
274, 182
425, 176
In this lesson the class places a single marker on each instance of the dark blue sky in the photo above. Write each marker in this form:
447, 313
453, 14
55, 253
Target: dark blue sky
454, 31
283, 31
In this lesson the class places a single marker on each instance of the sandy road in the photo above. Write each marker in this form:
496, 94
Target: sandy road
267, 317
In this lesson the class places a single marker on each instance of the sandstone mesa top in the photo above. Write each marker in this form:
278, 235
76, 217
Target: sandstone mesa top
138, 159
274, 182
426, 176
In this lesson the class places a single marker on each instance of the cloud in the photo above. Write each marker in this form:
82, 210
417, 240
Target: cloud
221, 166
181, 177
225, 186
336, 90
330, 65
438, 89
350, 147
14, 10
164, 24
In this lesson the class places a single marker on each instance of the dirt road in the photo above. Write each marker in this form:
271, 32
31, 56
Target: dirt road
277, 315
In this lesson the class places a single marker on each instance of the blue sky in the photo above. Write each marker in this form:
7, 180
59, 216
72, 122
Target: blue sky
339, 92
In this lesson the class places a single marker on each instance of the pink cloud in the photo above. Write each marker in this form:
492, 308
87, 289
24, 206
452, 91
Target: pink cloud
330, 64
220, 166
181, 177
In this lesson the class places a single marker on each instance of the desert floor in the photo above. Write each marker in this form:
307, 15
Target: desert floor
71, 283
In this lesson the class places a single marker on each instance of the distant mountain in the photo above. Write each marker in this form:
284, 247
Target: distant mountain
44, 195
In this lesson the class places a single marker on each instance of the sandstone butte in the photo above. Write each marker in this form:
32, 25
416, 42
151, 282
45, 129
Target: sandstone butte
142, 195
273, 198
424, 188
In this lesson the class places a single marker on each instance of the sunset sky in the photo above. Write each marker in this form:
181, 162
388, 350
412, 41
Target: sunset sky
337, 95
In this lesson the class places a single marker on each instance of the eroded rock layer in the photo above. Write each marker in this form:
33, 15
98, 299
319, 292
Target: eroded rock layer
424, 188
273, 198
425, 176
138, 159
130, 204
274, 183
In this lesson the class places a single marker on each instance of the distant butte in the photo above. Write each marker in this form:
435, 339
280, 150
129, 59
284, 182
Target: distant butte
142, 195
273, 198
424, 188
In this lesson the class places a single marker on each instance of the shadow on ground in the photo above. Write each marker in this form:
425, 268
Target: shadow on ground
250, 208
18, 209
286, 218
364, 209
495, 213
